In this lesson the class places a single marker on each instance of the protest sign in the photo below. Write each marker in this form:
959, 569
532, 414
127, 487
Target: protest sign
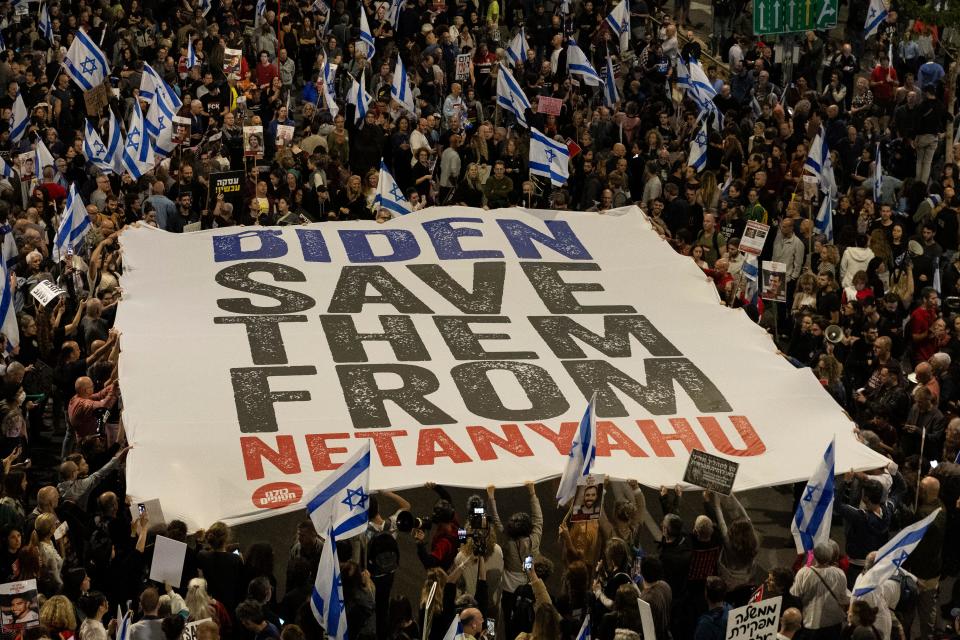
151, 507
181, 129
287, 375
230, 184
190, 629
549, 106
284, 134
463, 67
231, 62
754, 621
588, 503
168, 557
253, 141
96, 99
19, 608
710, 472
646, 620
754, 237
774, 281
46, 292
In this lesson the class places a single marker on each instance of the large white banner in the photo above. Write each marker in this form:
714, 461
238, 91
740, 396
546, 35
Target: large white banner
463, 343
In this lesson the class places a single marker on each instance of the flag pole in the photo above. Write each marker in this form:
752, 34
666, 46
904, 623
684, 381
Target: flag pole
923, 442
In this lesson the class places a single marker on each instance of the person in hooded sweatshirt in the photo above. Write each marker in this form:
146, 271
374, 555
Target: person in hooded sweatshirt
867, 526
854, 259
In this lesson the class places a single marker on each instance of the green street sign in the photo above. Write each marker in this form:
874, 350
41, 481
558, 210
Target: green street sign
793, 16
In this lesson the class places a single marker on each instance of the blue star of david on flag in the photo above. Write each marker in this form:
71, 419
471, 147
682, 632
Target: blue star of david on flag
811, 489
88, 66
133, 139
900, 559
550, 156
356, 498
99, 147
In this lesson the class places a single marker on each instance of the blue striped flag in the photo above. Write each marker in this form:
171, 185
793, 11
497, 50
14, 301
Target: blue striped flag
326, 601
360, 99
42, 158
85, 62
400, 86
817, 159
548, 158
510, 96
191, 54
341, 500
19, 119
44, 24
878, 177
95, 150
389, 195
610, 95
517, 49
619, 22
585, 632
811, 523
583, 453
824, 221
698, 148
137, 152
5, 170
891, 556
455, 630
8, 312
123, 625
366, 36
74, 225
579, 65
875, 16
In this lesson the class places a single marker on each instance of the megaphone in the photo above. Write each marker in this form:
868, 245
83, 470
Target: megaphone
833, 333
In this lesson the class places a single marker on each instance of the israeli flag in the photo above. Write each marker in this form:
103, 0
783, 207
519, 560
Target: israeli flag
700, 83
389, 195
161, 96
204, 6
163, 144
42, 158
158, 121
191, 54
149, 81
326, 601
583, 453
330, 86
830, 189
751, 288
699, 89
584, 633
9, 253
137, 153
619, 22
44, 25
366, 36
579, 65
360, 99
517, 50
5, 170
74, 225
891, 556
875, 17
811, 523
8, 312
95, 150
455, 630
123, 626
400, 86
115, 145
698, 148
3, 43
824, 222
85, 63
510, 96
817, 159
260, 12
548, 158
341, 500
19, 119
393, 12
610, 94
878, 178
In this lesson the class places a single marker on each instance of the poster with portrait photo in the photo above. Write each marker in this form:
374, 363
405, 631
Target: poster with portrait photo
284, 135
589, 500
253, 141
19, 607
231, 62
181, 129
774, 281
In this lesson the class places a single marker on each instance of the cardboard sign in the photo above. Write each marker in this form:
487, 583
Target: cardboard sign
588, 502
19, 608
151, 507
96, 99
463, 67
168, 557
755, 621
711, 472
253, 142
231, 62
646, 620
181, 129
46, 292
61, 531
549, 106
754, 237
190, 629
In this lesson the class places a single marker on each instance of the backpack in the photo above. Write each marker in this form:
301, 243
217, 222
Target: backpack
521, 618
909, 592
383, 554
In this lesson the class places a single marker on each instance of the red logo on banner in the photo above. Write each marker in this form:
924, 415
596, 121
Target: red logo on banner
276, 495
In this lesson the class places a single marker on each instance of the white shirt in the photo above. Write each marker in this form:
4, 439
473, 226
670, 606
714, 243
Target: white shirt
417, 141
820, 609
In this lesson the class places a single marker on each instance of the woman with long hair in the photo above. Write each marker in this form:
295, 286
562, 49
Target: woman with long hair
10, 544
349, 202
468, 192
575, 597
738, 564
625, 613
58, 616
201, 604
222, 569
51, 558
830, 373
546, 623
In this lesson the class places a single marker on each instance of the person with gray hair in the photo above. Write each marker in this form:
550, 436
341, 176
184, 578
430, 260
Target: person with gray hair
884, 599
822, 589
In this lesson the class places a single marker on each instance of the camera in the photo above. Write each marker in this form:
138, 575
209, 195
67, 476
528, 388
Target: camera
406, 522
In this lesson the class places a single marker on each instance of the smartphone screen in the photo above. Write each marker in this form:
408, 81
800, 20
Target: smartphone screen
462, 535
141, 508
491, 632
236, 552
528, 563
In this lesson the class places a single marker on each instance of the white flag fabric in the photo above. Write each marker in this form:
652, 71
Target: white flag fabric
389, 195
824, 221
329, 86
610, 95
517, 49
393, 12
137, 153
95, 150
44, 25
167, 104
74, 225
19, 119
400, 86
85, 62
548, 158
341, 502
123, 626
891, 556
191, 54
8, 313
811, 523
619, 22
42, 158
366, 36
583, 453
5, 170
115, 144
585, 631
455, 630
326, 601
510, 96
875, 17
817, 160
698, 148
359, 98
579, 65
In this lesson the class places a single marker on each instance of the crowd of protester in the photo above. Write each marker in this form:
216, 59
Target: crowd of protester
874, 313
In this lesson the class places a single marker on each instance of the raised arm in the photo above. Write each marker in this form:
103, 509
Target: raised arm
492, 505
402, 504
71, 328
